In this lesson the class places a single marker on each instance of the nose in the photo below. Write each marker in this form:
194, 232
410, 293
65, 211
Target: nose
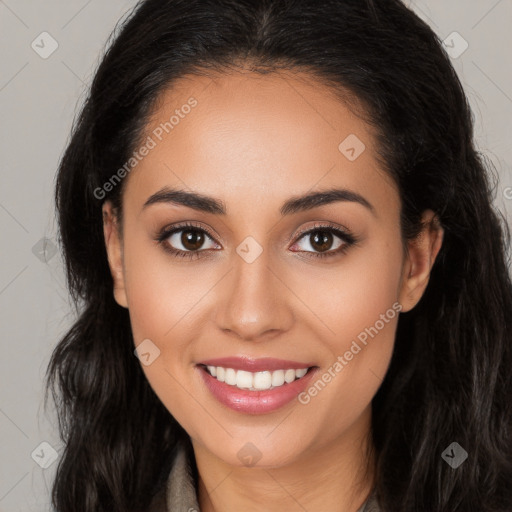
254, 303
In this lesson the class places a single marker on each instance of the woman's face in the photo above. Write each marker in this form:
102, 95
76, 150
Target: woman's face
255, 286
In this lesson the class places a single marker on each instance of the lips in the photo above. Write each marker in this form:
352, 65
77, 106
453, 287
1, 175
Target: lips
255, 402
256, 365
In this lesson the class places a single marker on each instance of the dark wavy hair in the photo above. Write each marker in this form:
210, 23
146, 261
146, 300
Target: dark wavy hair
450, 376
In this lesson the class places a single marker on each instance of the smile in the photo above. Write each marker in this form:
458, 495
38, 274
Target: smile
255, 392
255, 381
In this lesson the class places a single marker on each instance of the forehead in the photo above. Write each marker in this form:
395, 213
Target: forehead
244, 136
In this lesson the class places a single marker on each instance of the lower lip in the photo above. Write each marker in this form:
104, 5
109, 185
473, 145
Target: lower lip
255, 402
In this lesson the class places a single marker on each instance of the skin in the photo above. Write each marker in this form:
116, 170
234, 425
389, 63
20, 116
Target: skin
253, 142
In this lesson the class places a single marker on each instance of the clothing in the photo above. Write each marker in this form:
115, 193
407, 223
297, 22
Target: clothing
179, 493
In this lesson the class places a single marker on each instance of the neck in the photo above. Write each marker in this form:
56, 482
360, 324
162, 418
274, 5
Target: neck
332, 477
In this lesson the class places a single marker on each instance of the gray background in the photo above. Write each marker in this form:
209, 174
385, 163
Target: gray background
38, 99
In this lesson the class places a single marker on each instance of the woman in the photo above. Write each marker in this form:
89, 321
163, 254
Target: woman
292, 283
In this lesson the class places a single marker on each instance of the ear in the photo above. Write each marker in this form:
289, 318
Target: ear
113, 245
421, 254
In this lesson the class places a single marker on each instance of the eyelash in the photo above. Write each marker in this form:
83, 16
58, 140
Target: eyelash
348, 238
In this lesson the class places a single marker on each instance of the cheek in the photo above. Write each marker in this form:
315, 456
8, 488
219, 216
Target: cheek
161, 299
360, 306
164, 300
161, 293
354, 295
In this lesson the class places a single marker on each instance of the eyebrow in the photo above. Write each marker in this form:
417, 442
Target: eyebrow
293, 205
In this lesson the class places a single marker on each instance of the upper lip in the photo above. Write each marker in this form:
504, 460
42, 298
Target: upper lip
256, 365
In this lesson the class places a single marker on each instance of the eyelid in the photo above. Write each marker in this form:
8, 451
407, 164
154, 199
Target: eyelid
167, 231
321, 225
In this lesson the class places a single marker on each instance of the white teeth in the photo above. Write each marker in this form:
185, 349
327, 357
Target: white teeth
230, 377
300, 373
243, 379
257, 381
289, 376
263, 380
278, 378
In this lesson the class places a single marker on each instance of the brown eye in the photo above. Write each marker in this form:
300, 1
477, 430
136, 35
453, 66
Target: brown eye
192, 240
188, 239
324, 241
321, 240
